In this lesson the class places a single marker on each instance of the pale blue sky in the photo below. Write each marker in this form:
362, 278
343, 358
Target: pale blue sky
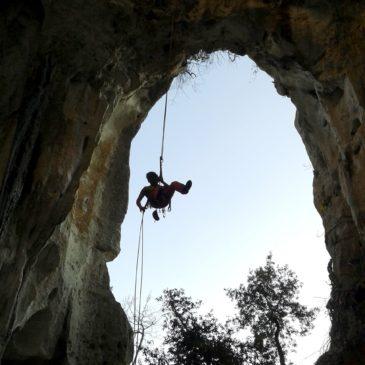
234, 137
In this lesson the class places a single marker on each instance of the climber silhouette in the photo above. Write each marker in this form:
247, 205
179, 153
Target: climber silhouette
159, 193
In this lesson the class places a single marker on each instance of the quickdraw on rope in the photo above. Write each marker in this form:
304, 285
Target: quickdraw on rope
139, 269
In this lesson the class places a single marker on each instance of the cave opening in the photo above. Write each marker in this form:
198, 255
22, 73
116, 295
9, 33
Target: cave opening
65, 150
230, 132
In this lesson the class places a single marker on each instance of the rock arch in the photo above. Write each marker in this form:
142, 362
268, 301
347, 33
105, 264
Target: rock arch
78, 77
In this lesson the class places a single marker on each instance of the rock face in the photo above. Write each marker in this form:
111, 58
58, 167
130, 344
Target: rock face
76, 80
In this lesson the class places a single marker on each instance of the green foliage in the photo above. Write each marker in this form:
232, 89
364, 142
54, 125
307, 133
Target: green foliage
268, 306
200, 61
191, 338
269, 317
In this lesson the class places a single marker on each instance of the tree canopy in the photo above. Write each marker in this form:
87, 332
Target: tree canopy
263, 331
192, 338
268, 306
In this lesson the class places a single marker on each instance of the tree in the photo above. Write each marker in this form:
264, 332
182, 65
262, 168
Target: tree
143, 326
263, 331
268, 306
191, 338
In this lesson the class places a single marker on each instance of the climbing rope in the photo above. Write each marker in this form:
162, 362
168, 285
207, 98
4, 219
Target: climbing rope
139, 265
139, 260
163, 134
165, 108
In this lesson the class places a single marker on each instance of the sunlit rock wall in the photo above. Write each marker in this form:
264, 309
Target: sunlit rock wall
76, 80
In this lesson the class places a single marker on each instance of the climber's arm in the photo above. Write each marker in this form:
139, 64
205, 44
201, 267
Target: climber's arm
163, 182
141, 195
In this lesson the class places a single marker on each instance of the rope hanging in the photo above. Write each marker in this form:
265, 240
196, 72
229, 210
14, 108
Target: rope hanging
163, 134
165, 109
139, 263
137, 318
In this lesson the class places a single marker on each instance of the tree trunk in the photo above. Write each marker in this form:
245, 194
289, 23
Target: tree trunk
278, 344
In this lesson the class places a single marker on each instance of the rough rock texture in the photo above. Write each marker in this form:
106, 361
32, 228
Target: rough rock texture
76, 80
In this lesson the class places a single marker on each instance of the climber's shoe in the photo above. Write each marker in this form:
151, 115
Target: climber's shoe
155, 216
188, 185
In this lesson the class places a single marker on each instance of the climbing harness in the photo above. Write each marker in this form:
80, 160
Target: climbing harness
162, 211
139, 270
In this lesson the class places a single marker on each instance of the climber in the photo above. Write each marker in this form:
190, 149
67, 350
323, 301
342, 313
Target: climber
159, 194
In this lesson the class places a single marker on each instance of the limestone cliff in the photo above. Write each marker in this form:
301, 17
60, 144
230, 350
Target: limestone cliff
76, 80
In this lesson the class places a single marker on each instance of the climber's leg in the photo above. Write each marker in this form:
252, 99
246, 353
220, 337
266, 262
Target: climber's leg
169, 191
